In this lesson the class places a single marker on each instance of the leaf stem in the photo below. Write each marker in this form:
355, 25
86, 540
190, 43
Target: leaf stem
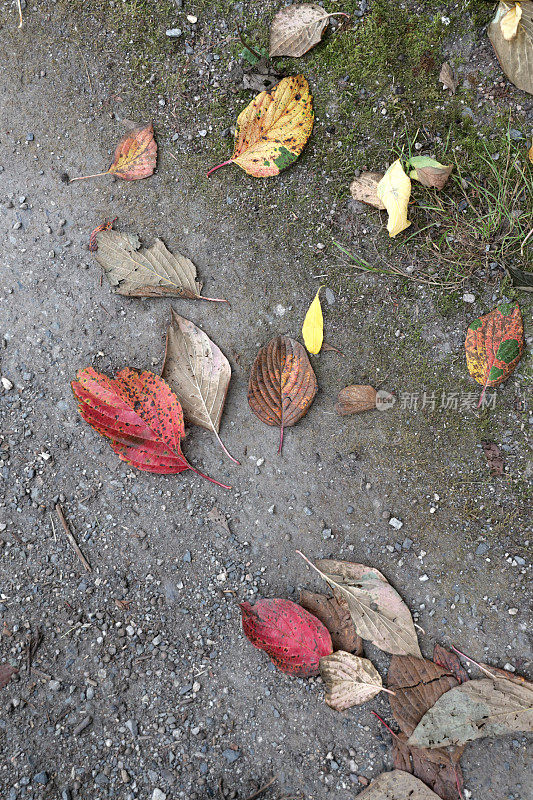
84, 177
384, 723
225, 449
486, 671
212, 480
280, 439
224, 163
213, 299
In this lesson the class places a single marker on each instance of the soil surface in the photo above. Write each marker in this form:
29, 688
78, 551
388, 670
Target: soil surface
141, 683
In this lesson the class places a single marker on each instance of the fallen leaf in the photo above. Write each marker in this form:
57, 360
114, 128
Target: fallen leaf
296, 29
294, 639
141, 416
397, 785
123, 605
378, 612
6, 672
515, 55
216, 516
504, 673
334, 613
394, 191
151, 272
429, 172
356, 399
522, 280
261, 76
530, 153
437, 768
313, 327
510, 21
494, 345
350, 680
273, 129
198, 373
450, 662
478, 708
364, 189
135, 156
494, 457
417, 683
93, 242
282, 384
446, 77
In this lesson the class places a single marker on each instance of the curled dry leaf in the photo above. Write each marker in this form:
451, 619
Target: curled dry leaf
282, 384
510, 21
397, 785
198, 372
494, 345
521, 279
439, 768
93, 238
494, 457
446, 77
6, 673
335, 614
218, 518
417, 683
273, 129
394, 191
261, 76
149, 272
429, 172
364, 189
294, 639
450, 662
141, 416
478, 708
313, 327
350, 680
135, 156
515, 55
378, 612
296, 29
356, 399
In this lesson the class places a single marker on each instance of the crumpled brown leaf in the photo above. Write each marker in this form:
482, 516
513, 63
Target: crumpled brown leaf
364, 189
335, 614
446, 77
494, 457
450, 662
261, 76
417, 683
439, 768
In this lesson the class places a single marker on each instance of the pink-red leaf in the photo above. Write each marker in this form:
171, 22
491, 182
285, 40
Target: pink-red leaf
294, 639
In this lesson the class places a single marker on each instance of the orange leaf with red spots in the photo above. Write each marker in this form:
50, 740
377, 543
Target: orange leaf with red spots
494, 345
141, 416
294, 639
282, 384
135, 155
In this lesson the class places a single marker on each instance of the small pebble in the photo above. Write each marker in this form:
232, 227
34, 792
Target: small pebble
395, 523
469, 298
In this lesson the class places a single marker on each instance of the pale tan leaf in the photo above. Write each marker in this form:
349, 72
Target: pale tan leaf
149, 272
350, 680
198, 373
510, 21
446, 77
397, 785
296, 29
515, 55
216, 516
378, 612
364, 189
478, 708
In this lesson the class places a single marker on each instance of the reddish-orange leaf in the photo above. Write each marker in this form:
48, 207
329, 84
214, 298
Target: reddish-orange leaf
282, 384
135, 155
93, 238
141, 416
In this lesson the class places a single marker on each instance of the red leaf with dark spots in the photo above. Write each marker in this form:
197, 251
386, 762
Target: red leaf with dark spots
294, 639
140, 414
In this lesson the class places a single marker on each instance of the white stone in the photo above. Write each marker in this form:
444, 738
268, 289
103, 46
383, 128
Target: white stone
396, 523
158, 795
469, 298
6, 383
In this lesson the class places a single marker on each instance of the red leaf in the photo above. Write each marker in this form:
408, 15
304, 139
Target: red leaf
449, 661
141, 416
294, 639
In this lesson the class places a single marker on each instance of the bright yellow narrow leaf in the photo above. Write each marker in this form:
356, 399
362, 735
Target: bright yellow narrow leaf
313, 327
394, 191
530, 153
510, 21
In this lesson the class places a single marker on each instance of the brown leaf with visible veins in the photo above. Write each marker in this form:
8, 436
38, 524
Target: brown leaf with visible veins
6, 671
135, 155
417, 684
439, 768
335, 614
494, 457
450, 662
446, 77
356, 399
282, 384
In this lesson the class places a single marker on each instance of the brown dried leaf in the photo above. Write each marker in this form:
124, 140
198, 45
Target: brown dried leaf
449, 661
335, 614
6, 671
282, 384
417, 683
216, 516
397, 785
515, 55
494, 457
296, 29
350, 680
356, 399
364, 189
261, 77
446, 77
437, 768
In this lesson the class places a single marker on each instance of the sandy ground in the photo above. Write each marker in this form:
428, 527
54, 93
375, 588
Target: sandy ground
171, 694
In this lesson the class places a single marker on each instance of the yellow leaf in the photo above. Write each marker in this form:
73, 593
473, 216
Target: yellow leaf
394, 191
530, 153
313, 327
510, 21
273, 129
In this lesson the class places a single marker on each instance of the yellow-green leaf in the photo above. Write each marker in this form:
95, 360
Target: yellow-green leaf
394, 191
313, 327
273, 129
